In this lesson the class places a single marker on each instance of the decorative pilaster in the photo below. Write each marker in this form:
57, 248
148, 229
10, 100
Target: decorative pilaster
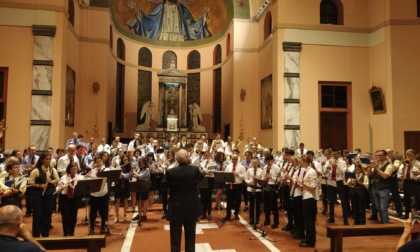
42, 85
292, 93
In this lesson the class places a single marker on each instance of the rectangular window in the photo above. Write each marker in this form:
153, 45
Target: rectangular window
333, 96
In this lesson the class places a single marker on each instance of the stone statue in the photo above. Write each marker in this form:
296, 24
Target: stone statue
146, 113
195, 116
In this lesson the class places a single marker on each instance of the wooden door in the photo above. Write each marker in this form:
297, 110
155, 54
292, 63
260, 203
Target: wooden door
333, 127
412, 140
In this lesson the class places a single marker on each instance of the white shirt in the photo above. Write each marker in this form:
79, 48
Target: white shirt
239, 169
274, 172
64, 161
341, 167
296, 175
311, 179
208, 167
251, 174
104, 186
65, 181
104, 147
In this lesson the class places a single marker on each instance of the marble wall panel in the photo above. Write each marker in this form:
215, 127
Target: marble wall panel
292, 138
41, 107
40, 136
291, 88
291, 62
291, 114
42, 78
43, 48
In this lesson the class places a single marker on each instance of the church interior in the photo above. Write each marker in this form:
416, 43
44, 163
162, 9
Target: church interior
329, 73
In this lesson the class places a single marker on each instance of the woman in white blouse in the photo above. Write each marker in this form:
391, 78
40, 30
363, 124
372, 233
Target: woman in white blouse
69, 202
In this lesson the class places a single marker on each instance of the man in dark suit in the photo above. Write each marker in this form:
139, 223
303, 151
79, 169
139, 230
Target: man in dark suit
184, 203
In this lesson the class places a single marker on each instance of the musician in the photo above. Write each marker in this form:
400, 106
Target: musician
91, 156
296, 202
309, 185
272, 172
28, 164
217, 143
358, 194
219, 159
382, 171
69, 202
155, 177
255, 194
43, 180
286, 171
301, 150
201, 144
183, 143
169, 163
407, 176
98, 200
399, 166
18, 186
117, 159
229, 146
247, 163
121, 187
335, 169
233, 190
324, 185
142, 173
207, 166
65, 160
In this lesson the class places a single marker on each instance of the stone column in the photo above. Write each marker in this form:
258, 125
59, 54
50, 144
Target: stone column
292, 93
42, 85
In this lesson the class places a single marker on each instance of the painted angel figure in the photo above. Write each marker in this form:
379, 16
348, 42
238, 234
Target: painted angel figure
146, 113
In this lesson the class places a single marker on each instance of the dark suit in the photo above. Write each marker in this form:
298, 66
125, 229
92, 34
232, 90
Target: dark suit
183, 205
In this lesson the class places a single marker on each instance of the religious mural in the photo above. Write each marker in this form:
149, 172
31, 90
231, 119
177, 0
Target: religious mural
172, 20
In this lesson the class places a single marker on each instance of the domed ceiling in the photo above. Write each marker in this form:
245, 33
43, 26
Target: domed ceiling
174, 22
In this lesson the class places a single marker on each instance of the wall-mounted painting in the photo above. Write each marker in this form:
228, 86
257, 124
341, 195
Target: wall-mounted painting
267, 102
377, 100
171, 20
70, 96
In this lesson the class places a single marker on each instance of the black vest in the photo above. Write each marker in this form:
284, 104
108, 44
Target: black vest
42, 179
378, 182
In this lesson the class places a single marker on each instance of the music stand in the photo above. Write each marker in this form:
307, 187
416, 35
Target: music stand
87, 186
264, 186
139, 186
112, 175
223, 177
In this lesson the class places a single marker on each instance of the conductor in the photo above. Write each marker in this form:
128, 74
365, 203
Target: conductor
184, 203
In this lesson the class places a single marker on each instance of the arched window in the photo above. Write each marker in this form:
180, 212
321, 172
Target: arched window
110, 37
267, 25
193, 91
217, 86
228, 45
144, 82
71, 11
167, 58
119, 88
331, 12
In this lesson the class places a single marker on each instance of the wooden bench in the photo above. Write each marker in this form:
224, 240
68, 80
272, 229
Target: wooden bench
337, 232
92, 243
